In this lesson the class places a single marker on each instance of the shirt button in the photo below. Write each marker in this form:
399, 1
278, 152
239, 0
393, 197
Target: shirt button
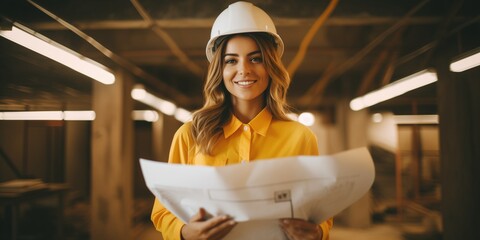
245, 128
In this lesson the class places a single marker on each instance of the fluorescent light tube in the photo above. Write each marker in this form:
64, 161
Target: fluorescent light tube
79, 115
377, 117
183, 115
57, 52
306, 118
470, 61
32, 115
166, 107
293, 116
140, 94
394, 89
145, 115
137, 115
49, 115
416, 119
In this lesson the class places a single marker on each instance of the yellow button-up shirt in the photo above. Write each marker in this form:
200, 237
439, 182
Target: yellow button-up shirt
262, 138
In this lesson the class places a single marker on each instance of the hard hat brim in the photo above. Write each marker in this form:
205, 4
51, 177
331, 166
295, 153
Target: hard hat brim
209, 51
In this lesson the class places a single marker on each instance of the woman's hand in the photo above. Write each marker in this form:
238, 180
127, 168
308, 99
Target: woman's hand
199, 227
299, 229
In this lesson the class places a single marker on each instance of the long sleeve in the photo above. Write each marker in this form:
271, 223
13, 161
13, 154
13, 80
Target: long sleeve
165, 222
326, 226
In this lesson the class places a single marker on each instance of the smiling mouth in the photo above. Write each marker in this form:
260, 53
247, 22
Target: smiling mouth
245, 83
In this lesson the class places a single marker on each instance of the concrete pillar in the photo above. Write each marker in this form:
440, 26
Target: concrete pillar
160, 153
459, 118
112, 160
353, 125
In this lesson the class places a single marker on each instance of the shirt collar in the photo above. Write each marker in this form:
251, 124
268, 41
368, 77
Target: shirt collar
259, 123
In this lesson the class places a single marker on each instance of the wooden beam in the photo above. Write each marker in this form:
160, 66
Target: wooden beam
310, 97
345, 66
207, 23
171, 43
371, 73
389, 70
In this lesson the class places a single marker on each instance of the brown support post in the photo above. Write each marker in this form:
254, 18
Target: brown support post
459, 117
416, 162
112, 160
416, 157
398, 183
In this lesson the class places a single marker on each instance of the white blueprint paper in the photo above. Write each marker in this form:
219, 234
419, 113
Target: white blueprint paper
258, 193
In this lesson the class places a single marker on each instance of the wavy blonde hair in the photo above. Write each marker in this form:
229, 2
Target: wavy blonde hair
208, 122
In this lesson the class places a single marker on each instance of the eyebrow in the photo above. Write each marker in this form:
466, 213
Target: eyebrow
236, 55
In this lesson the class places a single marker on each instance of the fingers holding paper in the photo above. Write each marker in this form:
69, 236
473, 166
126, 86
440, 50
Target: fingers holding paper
202, 226
299, 229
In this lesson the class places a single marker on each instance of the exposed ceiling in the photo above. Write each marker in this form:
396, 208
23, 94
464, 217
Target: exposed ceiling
363, 45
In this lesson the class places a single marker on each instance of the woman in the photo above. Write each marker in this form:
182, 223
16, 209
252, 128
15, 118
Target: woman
243, 119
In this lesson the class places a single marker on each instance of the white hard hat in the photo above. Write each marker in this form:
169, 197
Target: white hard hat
242, 17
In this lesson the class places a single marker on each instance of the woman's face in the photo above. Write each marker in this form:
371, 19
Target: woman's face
244, 73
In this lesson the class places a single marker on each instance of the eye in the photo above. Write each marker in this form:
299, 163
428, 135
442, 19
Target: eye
257, 59
230, 61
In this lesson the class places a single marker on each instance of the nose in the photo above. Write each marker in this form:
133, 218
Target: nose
244, 68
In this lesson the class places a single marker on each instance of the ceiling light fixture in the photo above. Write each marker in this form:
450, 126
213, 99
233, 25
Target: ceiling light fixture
293, 116
468, 60
415, 119
137, 115
57, 52
377, 117
394, 89
145, 115
183, 115
306, 118
49, 115
140, 94
79, 115
166, 107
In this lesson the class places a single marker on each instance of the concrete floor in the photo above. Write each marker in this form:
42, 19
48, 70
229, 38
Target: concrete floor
388, 227
376, 232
